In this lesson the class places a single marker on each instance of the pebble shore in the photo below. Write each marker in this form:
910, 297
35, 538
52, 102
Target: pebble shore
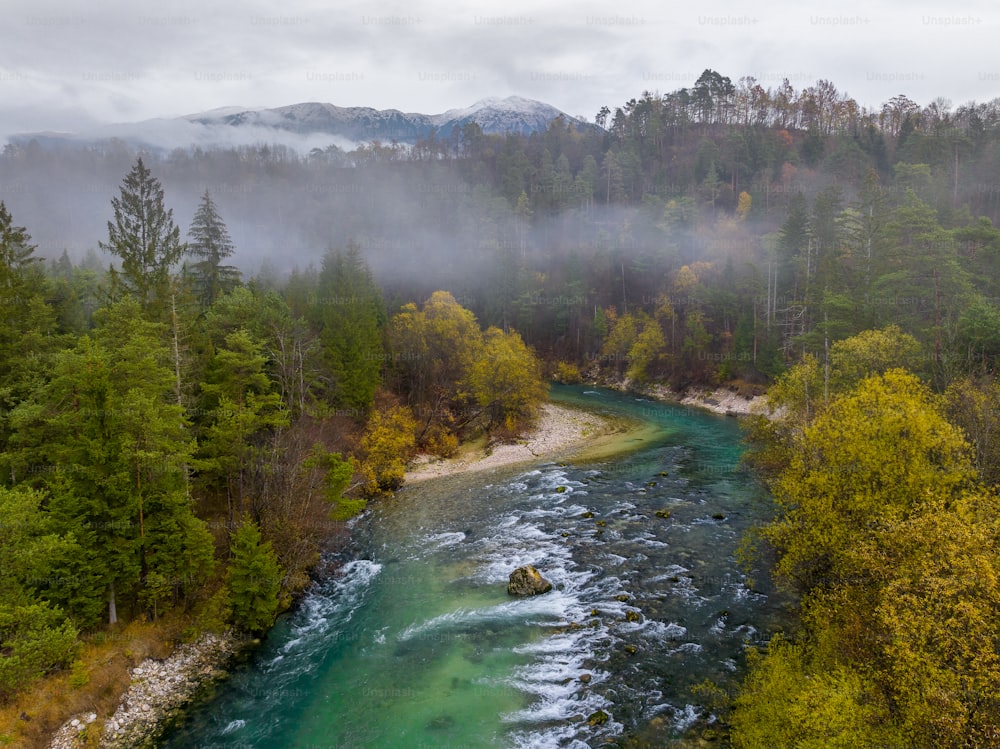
159, 690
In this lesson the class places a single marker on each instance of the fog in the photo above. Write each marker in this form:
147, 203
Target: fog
421, 225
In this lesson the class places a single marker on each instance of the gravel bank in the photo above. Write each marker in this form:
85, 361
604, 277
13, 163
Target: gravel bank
559, 430
159, 690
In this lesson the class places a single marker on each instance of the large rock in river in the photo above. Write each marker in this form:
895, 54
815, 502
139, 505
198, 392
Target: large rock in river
527, 581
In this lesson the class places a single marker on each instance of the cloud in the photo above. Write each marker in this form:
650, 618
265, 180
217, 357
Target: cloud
119, 61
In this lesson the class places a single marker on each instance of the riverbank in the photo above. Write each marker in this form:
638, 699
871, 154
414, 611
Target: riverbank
561, 432
725, 401
159, 691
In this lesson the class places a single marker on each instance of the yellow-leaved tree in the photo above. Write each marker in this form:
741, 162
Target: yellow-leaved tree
506, 382
459, 378
894, 550
388, 444
872, 459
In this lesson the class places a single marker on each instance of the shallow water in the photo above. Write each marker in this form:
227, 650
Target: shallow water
417, 644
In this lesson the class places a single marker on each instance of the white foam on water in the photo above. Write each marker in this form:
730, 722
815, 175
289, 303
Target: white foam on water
552, 604
746, 631
323, 615
658, 630
443, 540
685, 717
555, 738
673, 570
686, 647
740, 592
233, 726
650, 542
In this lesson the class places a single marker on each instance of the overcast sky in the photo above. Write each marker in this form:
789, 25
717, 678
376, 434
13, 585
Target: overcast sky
65, 64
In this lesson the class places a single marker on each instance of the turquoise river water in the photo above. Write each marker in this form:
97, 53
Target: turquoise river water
414, 643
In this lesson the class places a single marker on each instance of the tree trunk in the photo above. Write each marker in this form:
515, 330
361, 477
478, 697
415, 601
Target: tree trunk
112, 607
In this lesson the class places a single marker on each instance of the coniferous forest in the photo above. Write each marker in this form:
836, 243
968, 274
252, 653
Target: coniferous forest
210, 359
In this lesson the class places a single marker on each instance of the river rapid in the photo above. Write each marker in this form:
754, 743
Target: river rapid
415, 643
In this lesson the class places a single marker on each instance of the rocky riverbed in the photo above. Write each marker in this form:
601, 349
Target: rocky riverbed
721, 400
159, 691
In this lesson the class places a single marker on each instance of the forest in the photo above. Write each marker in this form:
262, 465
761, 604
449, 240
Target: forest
181, 431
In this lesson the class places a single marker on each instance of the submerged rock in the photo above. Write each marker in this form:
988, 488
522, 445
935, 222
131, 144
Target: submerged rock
527, 581
597, 718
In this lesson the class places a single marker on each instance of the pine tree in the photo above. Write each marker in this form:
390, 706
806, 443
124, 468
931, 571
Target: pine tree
143, 235
210, 245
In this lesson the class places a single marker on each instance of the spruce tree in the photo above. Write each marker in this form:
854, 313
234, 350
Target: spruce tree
143, 235
26, 324
350, 311
210, 245
113, 441
254, 580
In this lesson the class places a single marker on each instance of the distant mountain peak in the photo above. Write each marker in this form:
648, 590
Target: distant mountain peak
312, 124
495, 115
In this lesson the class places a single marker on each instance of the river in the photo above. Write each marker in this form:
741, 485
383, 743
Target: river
416, 644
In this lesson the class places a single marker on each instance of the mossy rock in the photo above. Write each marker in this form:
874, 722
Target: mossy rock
601, 523
560, 490
663, 514
527, 581
585, 678
598, 718
631, 649
632, 616
588, 514
623, 597
663, 473
718, 516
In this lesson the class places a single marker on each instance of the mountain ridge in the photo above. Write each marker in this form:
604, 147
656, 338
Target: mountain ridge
494, 115
307, 125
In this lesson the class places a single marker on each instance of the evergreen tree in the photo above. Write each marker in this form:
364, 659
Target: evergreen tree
351, 315
146, 240
210, 245
26, 323
109, 429
243, 412
254, 580
35, 636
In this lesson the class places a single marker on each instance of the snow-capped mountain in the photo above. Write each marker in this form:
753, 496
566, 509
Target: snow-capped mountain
364, 124
303, 127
